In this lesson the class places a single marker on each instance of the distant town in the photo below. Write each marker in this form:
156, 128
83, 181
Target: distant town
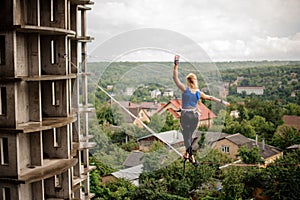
252, 133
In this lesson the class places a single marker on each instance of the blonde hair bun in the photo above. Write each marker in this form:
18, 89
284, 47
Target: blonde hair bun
191, 80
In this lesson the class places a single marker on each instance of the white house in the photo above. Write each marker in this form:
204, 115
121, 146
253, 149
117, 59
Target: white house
129, 91
155, 93
258, 90
168, 92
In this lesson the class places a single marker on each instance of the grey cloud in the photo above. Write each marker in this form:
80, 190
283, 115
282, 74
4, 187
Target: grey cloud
233, 23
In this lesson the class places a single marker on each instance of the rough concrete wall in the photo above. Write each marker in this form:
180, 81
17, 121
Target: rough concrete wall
6, 17
76, 130
14, 190
60, 65
65, 180
26, 12
63, 150
9, 120
60, 9
77, 167
19, 12
74, 98
33, 49
22, 102
10, 170
34, 95
45, 12
7, 70
32, 15
73, 19
61, 14
24, 151
73, 57
63, 192
21, 57
57, 110
36, 148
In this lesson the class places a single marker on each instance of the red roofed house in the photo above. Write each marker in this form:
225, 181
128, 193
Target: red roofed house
292, 120
173, 105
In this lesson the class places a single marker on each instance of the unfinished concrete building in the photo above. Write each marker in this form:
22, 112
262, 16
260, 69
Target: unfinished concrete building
44, 139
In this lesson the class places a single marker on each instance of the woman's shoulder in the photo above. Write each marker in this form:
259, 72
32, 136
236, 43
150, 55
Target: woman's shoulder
193, 90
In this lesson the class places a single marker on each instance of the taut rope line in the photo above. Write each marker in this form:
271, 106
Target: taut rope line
132, 115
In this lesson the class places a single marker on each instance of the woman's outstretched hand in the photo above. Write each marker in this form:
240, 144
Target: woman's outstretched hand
176, 60
225, 103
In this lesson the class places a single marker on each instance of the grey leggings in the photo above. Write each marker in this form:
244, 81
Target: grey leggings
188, 124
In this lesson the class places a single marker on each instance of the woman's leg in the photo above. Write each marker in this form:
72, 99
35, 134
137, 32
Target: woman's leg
188, 122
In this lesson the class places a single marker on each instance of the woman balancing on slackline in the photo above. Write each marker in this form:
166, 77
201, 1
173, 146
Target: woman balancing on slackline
189, 114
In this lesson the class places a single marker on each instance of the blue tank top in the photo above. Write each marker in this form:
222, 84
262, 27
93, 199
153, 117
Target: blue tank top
189, 99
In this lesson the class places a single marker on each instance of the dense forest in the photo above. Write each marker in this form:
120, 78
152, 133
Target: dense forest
259, 115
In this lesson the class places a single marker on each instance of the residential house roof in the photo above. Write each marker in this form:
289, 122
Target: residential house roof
173, 105
168, 137
292, 120
135, 112
171, 137
210, 138
134, 159
266, 150
135, 109
237, 139
132, 174
150, 105
128, 104
175, 137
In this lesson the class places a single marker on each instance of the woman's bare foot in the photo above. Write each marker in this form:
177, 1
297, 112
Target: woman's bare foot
193, 161
185, 155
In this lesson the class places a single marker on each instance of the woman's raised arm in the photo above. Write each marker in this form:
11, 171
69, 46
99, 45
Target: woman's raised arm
175, 74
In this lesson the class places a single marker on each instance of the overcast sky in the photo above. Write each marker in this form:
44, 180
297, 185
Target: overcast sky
225, 29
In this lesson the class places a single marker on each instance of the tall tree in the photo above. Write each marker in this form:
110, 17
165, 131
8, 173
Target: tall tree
171, 123
243, 113
250, 156
284, 177
233, 186
263, 128
292, 109
286, 136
